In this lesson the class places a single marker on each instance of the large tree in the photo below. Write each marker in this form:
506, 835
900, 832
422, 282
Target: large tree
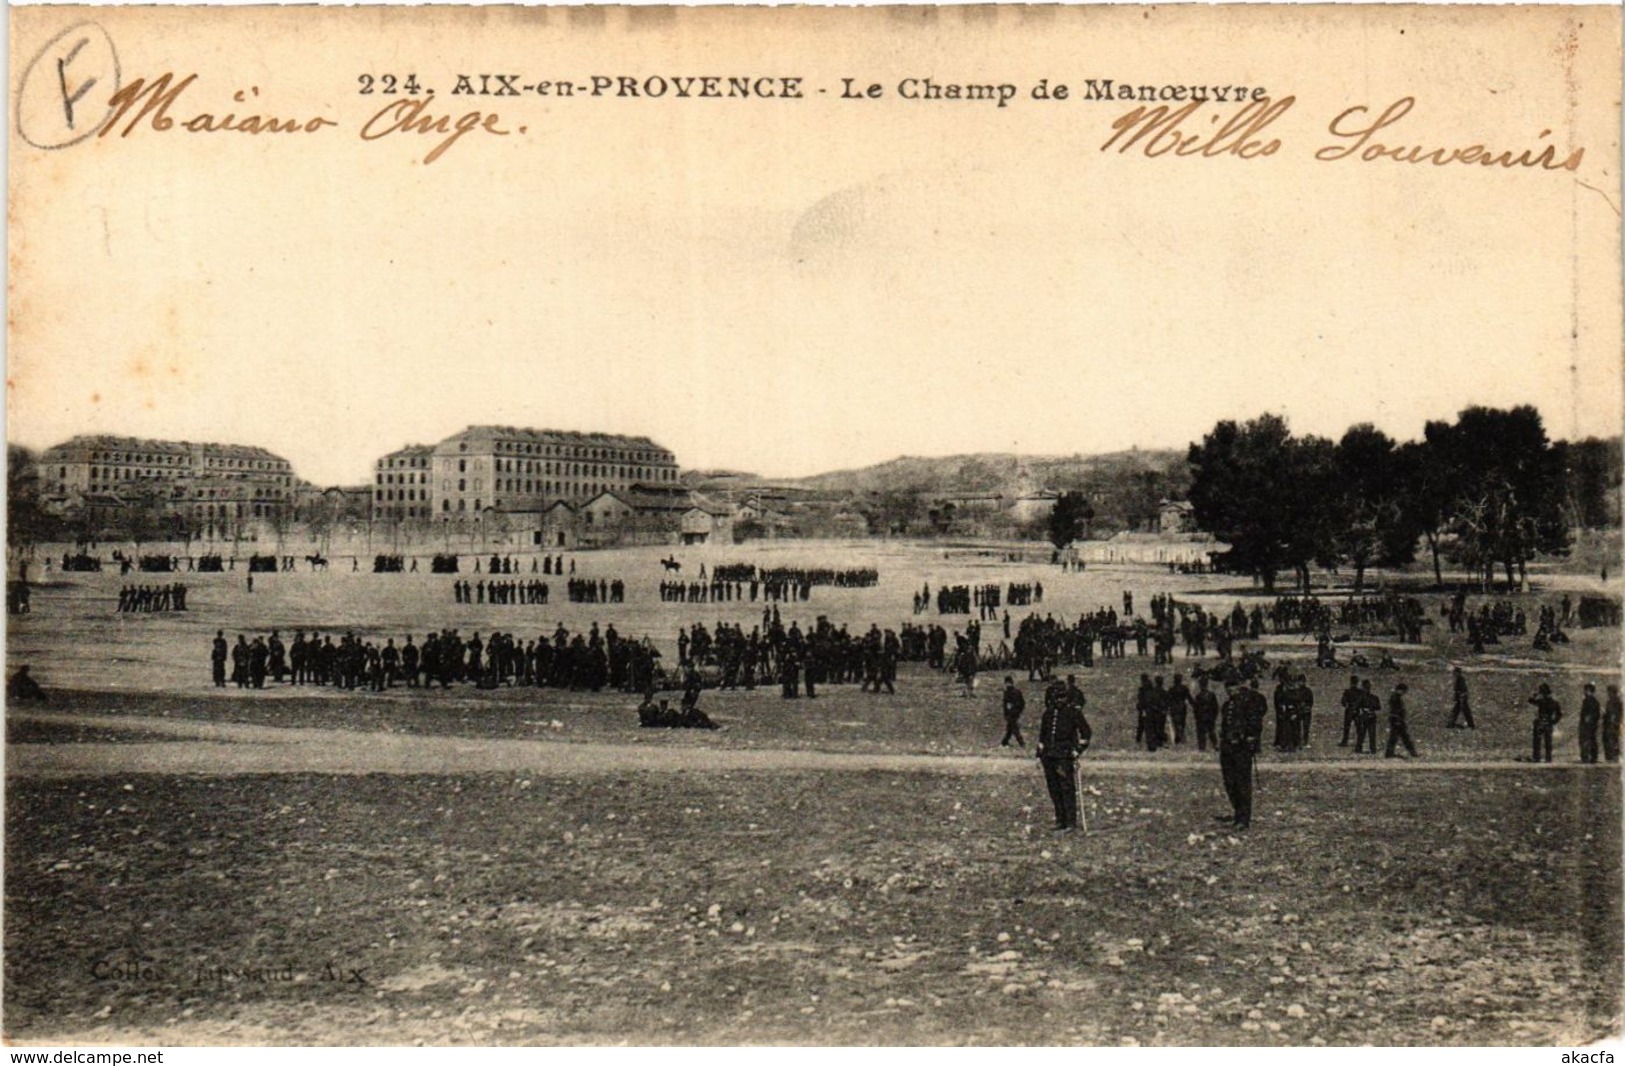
1370, 524
1263, 492
1509, 496
1592, 474
27, 521
1069, 519
1427, 486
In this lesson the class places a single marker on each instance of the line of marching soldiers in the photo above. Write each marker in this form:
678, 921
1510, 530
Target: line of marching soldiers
854, 578
824, 654
143, 599
583, 661
772, 590
521, 593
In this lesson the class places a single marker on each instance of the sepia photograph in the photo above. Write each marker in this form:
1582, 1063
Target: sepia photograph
737, 526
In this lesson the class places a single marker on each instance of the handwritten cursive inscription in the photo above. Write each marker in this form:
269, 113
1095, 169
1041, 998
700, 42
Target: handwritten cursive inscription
1165, 132
411, 116
143, 104
155, 100
1159, 131
1359, 136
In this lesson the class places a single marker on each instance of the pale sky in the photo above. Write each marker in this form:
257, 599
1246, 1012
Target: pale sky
794, 287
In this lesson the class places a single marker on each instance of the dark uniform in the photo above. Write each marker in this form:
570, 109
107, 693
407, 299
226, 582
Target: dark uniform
1205, 705
1241, 728
1014, 704
1461, 708
1063, 734
1590, 723
1613, 711
1303, 709
1156, 716
1352, 699
1179, 702
1548, 712
1365, 721
1398, 731
20, 687
217, 659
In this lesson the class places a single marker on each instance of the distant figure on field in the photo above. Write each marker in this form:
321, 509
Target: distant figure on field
1014, 704
1461, 709
1612, 712
1548, 712
1398, 728
1590, 724
20, 687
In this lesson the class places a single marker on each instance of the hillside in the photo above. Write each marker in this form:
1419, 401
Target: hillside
1124, 487
1009, 474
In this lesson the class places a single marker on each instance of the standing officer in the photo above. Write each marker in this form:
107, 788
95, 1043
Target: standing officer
1353, 700
217, 658
1156, 716
1548, 712
1612, 712
1365, 725
1063, 735
1179, 702
1303, 708
1461, 708
1014, 704
1205, 705
1398, 731
1590, 723
1241, 728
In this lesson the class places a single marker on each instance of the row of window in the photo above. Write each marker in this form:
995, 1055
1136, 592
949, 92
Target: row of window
530, 466
411, 462
574, 452
247, 464
102, 477
391, 495
531, 488
403, 479
145, 458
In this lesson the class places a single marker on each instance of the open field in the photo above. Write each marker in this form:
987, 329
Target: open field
789, 907
184, 864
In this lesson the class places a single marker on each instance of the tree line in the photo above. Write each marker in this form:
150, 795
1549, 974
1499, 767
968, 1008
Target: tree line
1486, 492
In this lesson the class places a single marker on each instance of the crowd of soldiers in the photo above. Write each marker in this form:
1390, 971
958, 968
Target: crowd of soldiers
1158, 708
1598, 723
723, 590
1550, 629
583, 661
773, 653
145, 599
586, 590
507, 593
962, 599
651, 716
1024, 594
547, 565
849, 578
1494, 621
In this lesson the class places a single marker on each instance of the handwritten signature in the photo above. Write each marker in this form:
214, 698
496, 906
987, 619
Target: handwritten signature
1242, 134
150, 103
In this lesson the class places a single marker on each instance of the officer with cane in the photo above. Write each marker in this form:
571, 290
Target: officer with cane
1063, 735
1241, 728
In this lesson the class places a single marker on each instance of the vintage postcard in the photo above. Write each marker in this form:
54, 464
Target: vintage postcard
910, 525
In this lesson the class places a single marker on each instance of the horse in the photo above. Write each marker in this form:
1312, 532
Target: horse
316, 562
672, 565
